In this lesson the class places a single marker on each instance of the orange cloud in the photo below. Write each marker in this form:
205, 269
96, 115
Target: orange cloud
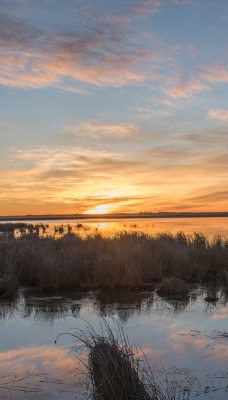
75, 179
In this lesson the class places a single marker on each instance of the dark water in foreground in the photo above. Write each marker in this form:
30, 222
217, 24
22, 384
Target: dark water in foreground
187, 337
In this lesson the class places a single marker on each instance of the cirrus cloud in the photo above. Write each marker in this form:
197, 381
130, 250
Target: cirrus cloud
103, 54
219, 114
181, 88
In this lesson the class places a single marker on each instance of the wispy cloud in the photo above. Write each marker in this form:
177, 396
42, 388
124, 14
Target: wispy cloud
207, 140
97, 130
103, 54
146, 7
178, 2
183, 88
220, 115
215, 73
15, 33
211, 197
70, 177
162, 178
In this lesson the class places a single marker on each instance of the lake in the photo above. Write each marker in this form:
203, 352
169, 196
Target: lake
209, 226
184, 339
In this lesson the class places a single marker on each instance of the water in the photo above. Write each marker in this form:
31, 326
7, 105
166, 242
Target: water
209, 226
186, 337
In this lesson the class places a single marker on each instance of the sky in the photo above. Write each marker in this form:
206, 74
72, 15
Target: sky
113, 106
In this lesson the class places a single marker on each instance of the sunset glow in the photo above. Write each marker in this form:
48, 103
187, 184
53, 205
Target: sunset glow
115, 102
99, 210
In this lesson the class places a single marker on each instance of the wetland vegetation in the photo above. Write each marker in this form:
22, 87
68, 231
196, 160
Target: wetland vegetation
125, 260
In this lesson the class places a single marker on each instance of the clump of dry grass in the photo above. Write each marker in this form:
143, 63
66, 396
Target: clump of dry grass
113, 372
172, 286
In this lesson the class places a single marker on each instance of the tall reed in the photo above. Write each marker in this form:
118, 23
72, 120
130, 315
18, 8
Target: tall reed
125, 260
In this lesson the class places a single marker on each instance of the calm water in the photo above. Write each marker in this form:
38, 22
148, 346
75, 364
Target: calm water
187, 337
209, 226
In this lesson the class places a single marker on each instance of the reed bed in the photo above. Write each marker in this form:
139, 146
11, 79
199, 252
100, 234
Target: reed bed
127, 260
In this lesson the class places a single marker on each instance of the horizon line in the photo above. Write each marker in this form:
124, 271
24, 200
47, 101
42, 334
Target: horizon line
148, 214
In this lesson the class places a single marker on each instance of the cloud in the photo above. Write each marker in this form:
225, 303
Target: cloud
97, 130
70, 176
180, 88
219, 114
15, 33
206, 139
171, 155
66, 177
105, 53
210, 196
200, 79
215, 74
180, 2
146, 7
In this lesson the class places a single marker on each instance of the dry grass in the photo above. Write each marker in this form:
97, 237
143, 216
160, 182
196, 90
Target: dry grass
126, 260
172, 286
8, 285
113, 372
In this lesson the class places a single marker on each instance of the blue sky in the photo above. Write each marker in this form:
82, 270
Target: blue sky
112, 105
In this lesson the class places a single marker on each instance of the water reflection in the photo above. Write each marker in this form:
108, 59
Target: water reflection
8, 307
45, 307
186, 335
38, 372
123, 303
208, 226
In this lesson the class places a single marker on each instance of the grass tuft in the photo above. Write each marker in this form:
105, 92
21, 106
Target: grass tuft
113, 372
172, 286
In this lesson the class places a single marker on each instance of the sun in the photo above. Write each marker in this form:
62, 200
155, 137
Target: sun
103, 209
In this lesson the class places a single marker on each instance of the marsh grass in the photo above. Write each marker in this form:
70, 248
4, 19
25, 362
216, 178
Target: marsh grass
127, 260
172, 286
8, 285
113, 370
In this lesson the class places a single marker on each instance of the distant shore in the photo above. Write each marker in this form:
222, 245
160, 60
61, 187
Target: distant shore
40, 217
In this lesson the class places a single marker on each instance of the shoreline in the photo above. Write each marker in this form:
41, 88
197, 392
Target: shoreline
49, 217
